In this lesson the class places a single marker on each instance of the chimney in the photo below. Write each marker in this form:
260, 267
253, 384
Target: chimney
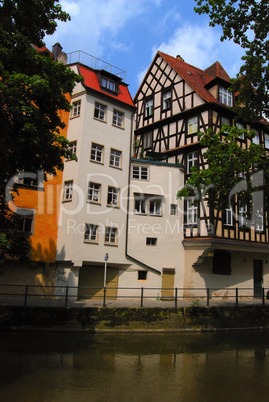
56, 50
178, 57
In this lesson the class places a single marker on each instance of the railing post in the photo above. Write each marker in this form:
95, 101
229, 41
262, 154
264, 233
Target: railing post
142, 291
207, 297
66, 296
236, 296
263, 296
175, 297
25, 295
104, 301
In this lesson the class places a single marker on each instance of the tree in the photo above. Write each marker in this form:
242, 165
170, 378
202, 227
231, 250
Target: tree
33, 90
233, 174
246, 22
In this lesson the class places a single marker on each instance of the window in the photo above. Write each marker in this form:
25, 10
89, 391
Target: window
118, 118
100, 111
192, 160
97, 153
155, 207
191, 213
151, 241
167, 100
228, 217
111, 235
241, 127
256, 138
140, 206
68, 190
225, 97
242, 215
147, 140
94, 192
149, 108
26, 220
108, 84
140, 172
28, 179
225, 121
266, 141
91, 233
115, 158
76, 109
193, 125
173, 209
113, 196
142, 275
73, 147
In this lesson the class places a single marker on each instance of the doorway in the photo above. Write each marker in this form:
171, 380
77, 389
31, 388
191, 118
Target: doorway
257, 277
168, 280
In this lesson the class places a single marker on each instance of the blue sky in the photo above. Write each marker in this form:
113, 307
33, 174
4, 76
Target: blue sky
128, 33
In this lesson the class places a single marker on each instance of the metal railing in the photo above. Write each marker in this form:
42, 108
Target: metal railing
65, 295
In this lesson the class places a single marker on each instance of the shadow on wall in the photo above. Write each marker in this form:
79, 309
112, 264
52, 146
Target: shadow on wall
39, 274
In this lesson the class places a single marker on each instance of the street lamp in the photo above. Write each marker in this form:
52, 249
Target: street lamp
106, 258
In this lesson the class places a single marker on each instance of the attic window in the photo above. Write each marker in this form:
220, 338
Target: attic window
108, 84
225, 97
189, 72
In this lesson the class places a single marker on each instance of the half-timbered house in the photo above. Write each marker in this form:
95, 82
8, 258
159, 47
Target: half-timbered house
174, 102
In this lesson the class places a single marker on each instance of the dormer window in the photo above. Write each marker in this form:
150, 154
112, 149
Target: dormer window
108, 84
225, 96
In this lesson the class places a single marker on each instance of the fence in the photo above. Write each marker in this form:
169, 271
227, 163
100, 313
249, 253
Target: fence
67, 295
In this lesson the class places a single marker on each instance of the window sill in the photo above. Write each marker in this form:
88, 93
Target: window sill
116, 167
99, 163
111, 244
112, 206
90, 242
67, 200
115, 125
74, 117
103, 121
93, 202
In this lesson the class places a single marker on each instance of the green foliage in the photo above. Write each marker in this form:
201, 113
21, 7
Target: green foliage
226, 161
246, 22
33, 89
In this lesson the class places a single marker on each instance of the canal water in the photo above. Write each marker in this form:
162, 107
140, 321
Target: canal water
226, 366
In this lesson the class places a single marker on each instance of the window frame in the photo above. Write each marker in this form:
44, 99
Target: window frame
225, 97
93, 189
228, 217
76, 108
105, 83
191, 211
115, 158
68, 190
192, 160
149, 107
118, 118
173, 209
93, 233
111, 236
155, 207
256, 136
164, 100
142, 206
113, 196
142, 173
100, 112
151, 241
193, 125
144, 275
24, 218
99, 151
266, 140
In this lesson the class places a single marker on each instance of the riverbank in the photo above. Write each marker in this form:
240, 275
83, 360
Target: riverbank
134, 319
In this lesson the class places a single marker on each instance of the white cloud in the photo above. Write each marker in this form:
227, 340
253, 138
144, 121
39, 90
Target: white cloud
201, 46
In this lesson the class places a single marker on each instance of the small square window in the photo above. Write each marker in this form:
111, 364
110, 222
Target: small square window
142, 275
100, 111
26, 220
97, 153
151, 241
91, 232
68, 190
108, 84
140, 172
118, 118
225, 97
115, 158
76, 108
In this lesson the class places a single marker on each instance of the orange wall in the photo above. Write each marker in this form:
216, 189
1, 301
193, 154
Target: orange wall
47, 206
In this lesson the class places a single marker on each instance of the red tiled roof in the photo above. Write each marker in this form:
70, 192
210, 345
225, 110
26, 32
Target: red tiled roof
91, 81
196, 77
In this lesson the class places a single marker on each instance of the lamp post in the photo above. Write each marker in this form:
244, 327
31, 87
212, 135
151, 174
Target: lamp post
106, 258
